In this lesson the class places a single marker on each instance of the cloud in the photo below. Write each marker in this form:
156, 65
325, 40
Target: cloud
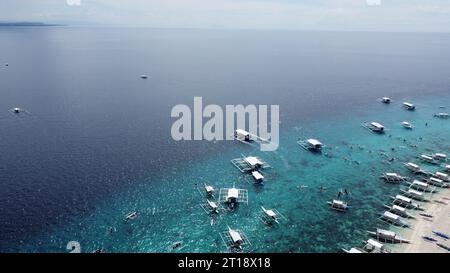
73, 2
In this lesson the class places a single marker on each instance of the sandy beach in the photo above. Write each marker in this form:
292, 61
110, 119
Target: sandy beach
439, 207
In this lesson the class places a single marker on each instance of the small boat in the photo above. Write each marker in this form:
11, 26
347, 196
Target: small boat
394, 219
426, 215
407, 125
409, 106
428, 238
442, 176
387, 236
442, 115
353, 250
436, 182
311, 144
374, 127
257, 176
422, 186
439, 156
209, 189
386, 100
242, 135
373, 246
414, 168
428, 159
144, 77
131, 216
442, 235
393, 177
447, 168
213, 206
416, 195
405, 202
400, 211
270, 216
338, 205
17, 110
443, 246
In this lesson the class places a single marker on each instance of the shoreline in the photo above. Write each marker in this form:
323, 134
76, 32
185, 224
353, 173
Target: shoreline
439, 207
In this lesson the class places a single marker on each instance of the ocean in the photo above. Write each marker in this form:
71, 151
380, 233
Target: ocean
93, 142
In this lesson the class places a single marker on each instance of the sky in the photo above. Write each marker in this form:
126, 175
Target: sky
345, 15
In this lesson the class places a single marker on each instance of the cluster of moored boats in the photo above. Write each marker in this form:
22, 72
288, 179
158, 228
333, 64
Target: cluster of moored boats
418, 189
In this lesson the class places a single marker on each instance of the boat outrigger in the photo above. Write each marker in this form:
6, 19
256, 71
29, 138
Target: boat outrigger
338, 205
393, 178
409, 106
311, 144
388, 236
374, 127
394, 219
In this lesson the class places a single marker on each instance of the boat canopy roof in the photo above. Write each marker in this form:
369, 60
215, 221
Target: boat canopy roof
398, 208
414, 192
354, 250
439, 174
270, 213
386, 98
415, 166
257, 175
390, 215
387, 233
233, 193
420, 183
403, 198
212, 204
408, 104
447, 167
235, 236
314, 142
440, 155
437, 180
375, 243
253, 161
377, 125
427, 157
392, 174
242, 132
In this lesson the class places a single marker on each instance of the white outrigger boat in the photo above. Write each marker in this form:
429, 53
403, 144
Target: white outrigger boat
234, 238
437, 182
270, 216
374, 127
386, 100
414, 194
233, 196
210, 207
409, 106
422, 186
447, 168
414, 168
393, 178
442, 115
443, 176
428, 159
242, 135
258, 177
338, 205
371, 246
209, 189
249, 164
394, 219
407, 125
131, 216
388, 236
405, 202
311, 144
400, 211
440, 156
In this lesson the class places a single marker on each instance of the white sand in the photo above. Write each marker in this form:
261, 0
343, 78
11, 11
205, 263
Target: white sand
439, 207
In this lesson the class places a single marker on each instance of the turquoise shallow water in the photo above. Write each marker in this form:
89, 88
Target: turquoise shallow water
169, 207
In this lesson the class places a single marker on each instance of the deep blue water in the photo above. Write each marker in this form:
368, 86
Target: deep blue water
96, 143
